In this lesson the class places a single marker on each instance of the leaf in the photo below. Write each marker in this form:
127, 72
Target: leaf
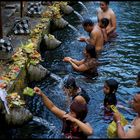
28, 91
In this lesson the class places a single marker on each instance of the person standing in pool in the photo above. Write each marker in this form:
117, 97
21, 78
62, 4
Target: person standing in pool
88, 65
74, 125
104, 11
73, 91
131, 130
95, 35
110, 88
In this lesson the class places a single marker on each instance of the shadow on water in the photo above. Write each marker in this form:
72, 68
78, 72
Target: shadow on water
120, 60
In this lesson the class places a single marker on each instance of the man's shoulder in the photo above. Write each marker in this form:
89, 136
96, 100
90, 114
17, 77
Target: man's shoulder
111, 11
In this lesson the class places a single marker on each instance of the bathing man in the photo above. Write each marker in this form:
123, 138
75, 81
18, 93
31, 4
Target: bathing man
96, 37
133, 131
105, 12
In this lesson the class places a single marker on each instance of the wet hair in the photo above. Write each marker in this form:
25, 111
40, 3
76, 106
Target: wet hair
91, 50
105, 22
79, 109
87, 22
106, 2
70, 83
112, 84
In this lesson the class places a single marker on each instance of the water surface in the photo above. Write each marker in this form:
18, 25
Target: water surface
120, 60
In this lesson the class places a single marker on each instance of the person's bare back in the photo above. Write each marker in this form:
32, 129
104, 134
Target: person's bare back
96, 38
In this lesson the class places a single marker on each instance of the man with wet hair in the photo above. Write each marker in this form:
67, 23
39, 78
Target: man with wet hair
104, 11
95, 35
131, 130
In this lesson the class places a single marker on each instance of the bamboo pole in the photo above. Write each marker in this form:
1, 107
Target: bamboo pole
1, 31
21, 8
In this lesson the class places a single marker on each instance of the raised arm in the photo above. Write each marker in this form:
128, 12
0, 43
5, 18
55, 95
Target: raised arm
49, 104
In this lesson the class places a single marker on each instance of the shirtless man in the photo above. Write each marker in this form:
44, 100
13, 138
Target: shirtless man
105, 12
96, 37
134, 131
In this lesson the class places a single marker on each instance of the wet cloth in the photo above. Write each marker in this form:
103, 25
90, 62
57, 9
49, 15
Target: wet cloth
128, 127
21, 26
70, 132
91, 64
3, 95
83, 94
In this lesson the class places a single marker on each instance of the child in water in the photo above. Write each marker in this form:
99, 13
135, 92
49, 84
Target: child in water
110, 88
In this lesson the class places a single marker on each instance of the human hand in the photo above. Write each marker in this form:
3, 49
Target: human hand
3, 85
81, 39
68, 117
116, 116
67, 59
38, 91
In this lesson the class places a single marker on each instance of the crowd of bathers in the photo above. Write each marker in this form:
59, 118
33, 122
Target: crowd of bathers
73, 120
74, 124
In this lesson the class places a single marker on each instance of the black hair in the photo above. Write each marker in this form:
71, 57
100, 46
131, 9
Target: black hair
87, 22
105, 22
113, 85
106, 1
138, 75
91, 50
70, 83
80, 109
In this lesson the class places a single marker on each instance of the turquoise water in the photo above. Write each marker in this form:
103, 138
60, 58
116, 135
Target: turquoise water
120, 60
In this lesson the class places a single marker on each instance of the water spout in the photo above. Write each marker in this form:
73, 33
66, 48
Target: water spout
55, 77
78, 15
72, 27
61, 84
83, 6
43, 122
94, 18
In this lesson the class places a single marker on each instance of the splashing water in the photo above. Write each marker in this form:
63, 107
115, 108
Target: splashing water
55, 77
73, 28
83, 6
43, 122
78, 15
